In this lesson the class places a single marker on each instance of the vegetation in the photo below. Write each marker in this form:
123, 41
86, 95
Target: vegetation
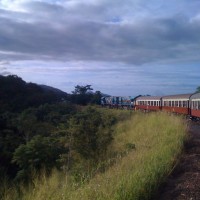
53, 146
198, 89
141, 154
17, 95
35, 119
83, 95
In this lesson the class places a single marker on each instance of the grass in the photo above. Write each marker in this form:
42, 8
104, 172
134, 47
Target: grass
136, 174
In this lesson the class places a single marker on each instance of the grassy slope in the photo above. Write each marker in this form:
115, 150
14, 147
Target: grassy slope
158, 138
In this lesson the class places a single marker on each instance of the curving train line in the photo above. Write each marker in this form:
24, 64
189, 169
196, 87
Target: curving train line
188, 104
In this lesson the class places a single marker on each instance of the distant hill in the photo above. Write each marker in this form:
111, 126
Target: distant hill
16, 94
52, 89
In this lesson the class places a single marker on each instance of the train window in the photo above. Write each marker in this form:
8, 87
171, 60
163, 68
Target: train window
176, 103
180, 104
170, 103
194, 105
184, 104
198, 105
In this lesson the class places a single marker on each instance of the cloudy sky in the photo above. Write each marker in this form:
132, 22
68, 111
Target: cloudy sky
120, 47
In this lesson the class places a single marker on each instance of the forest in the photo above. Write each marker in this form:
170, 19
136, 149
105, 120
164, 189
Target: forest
42, 128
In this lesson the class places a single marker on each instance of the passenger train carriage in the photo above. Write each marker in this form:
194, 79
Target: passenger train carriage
176, 103
195, 105
148, 103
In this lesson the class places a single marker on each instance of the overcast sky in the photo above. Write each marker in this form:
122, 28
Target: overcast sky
120, 47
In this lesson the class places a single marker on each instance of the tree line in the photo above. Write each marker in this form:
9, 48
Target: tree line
42, 129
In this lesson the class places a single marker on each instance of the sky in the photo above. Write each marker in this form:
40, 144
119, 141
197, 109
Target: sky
124, 48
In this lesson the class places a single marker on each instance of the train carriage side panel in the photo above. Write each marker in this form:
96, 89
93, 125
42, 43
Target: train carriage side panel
195, 105
151, 103
176, 103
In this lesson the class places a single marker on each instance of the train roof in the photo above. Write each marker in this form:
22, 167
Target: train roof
195, 96
177, 96
148, 98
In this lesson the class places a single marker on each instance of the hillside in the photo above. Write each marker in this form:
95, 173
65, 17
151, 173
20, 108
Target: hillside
98, 153
17, 95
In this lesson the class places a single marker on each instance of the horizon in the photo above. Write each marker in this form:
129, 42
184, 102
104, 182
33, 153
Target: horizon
119, 48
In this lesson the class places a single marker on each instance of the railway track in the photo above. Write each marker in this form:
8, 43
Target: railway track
184, 182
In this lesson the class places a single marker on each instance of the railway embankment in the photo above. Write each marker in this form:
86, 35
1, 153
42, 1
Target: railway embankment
184, 182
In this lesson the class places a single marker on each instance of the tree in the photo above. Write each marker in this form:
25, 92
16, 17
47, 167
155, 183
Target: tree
96, 99
198, 89
82, 89
82, 95
39, 153
91, 135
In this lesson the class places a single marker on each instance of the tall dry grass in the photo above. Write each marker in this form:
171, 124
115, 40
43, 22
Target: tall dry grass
158, 140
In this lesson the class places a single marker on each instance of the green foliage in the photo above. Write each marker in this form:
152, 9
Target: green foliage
82, 89
129, 146
198, 89
159, 140
10, 139
91, 136
40, 129
82, 95
96, 99
39, 153
18, 129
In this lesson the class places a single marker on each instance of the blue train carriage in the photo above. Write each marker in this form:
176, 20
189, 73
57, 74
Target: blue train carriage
103, 101
110, 101
124, 102
127, 102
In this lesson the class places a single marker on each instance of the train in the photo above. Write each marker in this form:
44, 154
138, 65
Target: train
187, 104
118, 101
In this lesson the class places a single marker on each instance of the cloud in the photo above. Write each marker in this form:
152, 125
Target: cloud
3, 68
99, 40
73, 30
150, 41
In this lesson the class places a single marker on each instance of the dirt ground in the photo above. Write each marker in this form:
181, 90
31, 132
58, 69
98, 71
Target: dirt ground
184, 182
